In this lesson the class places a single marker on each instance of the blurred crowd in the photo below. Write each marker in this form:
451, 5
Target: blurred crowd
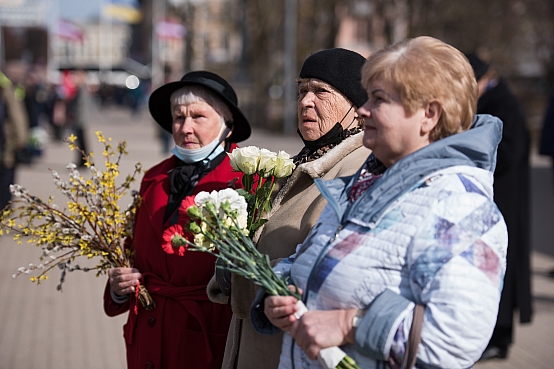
36, 111
53, 110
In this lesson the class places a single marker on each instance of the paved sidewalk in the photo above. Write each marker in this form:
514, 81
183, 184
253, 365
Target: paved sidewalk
41, 328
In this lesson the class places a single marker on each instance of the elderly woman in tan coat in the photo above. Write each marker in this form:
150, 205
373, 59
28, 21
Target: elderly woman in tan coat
329, 92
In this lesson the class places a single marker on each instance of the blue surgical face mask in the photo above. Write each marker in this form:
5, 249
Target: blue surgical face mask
209, 151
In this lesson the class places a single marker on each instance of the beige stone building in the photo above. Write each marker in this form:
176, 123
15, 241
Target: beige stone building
103, 45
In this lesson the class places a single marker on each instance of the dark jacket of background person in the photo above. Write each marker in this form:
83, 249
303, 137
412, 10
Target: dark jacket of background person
547, 140
547, 137
511, 194
78, 115
13, 136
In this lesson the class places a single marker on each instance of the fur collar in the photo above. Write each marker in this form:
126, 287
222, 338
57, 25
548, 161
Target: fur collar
315, 169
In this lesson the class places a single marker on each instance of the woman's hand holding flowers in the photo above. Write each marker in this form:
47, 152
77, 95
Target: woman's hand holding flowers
319, 329
315, 329
123, 280
218, 230
280, 311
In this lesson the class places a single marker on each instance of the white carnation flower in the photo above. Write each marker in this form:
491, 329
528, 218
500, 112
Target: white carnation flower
202, 198
236, 201
214, 199
199, 239
227, 194
242, 221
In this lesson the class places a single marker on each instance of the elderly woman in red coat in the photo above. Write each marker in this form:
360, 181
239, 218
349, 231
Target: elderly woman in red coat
185, 329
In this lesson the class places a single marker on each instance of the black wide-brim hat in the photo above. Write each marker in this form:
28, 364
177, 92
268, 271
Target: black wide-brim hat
159, 102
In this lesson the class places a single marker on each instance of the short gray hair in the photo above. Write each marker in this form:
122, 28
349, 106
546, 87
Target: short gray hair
192, 94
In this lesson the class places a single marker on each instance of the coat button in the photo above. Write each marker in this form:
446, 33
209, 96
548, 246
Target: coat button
151, 321
150, 365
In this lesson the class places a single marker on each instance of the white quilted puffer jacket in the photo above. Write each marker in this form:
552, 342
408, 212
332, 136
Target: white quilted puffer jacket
427, 232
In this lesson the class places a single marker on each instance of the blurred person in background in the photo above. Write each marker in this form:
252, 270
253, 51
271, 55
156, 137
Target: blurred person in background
511, 194
329, 92
185, 330
547, 142
54, 109
61, 97
78, 112
106, 94
136, 99
36, 97
13, 135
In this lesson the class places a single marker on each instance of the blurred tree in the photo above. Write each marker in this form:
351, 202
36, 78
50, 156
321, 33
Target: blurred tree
541, 22
517, 36
317, 26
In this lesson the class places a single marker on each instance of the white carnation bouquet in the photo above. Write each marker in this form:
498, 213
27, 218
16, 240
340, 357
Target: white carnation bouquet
223, 221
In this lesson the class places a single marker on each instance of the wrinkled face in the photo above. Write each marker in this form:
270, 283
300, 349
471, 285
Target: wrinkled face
389, 131
195, 125
320, 107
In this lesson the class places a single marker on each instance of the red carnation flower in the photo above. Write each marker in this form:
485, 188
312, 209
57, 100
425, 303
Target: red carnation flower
174, 240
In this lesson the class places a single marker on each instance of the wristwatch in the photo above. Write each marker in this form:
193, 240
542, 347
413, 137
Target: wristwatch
357, 319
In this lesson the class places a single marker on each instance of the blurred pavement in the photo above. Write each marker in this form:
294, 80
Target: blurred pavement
41, 328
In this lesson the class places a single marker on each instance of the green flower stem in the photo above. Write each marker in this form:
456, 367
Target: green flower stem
348, 363
242, 258
247, 180
253, 264
268, 197
257, 210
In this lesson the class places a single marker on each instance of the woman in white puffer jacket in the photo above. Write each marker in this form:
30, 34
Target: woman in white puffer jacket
416, 225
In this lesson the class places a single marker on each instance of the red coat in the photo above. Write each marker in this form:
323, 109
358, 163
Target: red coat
185, 330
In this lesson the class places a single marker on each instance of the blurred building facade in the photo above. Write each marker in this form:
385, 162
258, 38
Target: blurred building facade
244, 40
212, 38
101, 45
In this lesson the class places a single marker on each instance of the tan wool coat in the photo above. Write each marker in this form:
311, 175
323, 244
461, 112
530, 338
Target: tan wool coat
295, 210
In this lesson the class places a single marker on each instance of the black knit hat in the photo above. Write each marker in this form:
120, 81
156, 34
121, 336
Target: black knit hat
341, 69
479, 66
160, 105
